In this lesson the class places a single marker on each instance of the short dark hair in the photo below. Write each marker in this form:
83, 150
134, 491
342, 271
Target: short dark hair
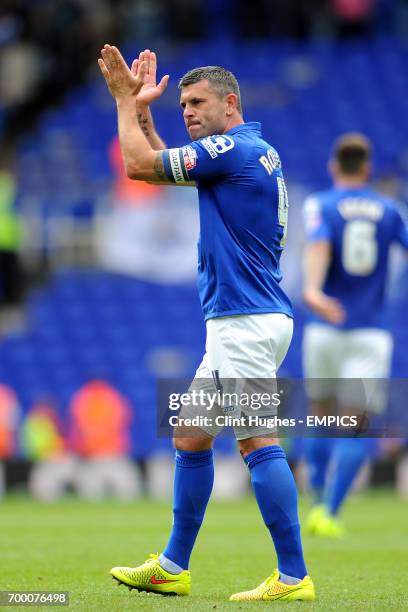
352, 151
222, 80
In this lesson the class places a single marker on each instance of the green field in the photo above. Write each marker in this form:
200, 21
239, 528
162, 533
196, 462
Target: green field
71, 546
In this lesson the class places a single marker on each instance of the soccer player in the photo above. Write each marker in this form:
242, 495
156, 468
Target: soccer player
350, 229
243, 215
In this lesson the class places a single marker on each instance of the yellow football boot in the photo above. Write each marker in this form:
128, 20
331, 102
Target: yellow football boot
152, 578
316, 514
272, 590
321, 523
330, 527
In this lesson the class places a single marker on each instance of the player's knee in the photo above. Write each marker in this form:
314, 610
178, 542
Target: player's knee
193, 441
252, 444
191, 444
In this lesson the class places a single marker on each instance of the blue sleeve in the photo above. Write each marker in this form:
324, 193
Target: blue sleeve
317, 225
208, 158
401, 230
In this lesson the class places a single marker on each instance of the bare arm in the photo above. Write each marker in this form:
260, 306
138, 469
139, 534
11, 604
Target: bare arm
145, 120
148, 94
138, 155
316, 264
142, 162
317, 260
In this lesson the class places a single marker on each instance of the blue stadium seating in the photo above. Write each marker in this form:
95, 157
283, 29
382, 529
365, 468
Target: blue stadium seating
94, 324
305, 94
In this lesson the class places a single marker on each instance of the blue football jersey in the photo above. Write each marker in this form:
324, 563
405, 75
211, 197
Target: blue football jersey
243, 206
361, 225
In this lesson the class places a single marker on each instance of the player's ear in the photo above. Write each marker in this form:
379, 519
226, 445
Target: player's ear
332, 168
368, 167
231, 100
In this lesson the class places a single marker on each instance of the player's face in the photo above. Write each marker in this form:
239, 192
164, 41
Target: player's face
204, 112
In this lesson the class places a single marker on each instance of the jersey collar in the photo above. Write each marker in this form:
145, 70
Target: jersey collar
251, 126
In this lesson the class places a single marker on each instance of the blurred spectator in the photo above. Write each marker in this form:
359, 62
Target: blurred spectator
186, 19
42, 433
9, 418
47, 46
144, 20
100, 436
10, 238
150, 231
402, 473
125, 192
354, 17
19, 72
54, 469
50, 46
278, 18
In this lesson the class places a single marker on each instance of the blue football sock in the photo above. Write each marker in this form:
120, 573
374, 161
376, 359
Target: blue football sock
318, 452
275, 492
193, 481
349, 456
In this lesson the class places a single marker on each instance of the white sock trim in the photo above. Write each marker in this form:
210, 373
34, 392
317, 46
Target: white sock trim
290, 580
169, 565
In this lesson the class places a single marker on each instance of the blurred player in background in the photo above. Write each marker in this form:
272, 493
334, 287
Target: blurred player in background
243, 215
350, 229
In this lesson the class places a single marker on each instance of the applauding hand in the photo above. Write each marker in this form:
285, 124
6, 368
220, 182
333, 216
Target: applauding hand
121, 81
150, 90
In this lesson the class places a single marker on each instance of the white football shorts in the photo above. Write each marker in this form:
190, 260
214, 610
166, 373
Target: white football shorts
362, 356
243, 354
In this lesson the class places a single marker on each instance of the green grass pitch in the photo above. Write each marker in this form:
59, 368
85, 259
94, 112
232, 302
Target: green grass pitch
71, 546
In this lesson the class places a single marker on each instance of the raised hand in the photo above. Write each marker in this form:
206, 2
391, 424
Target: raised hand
121, 81
150, 90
